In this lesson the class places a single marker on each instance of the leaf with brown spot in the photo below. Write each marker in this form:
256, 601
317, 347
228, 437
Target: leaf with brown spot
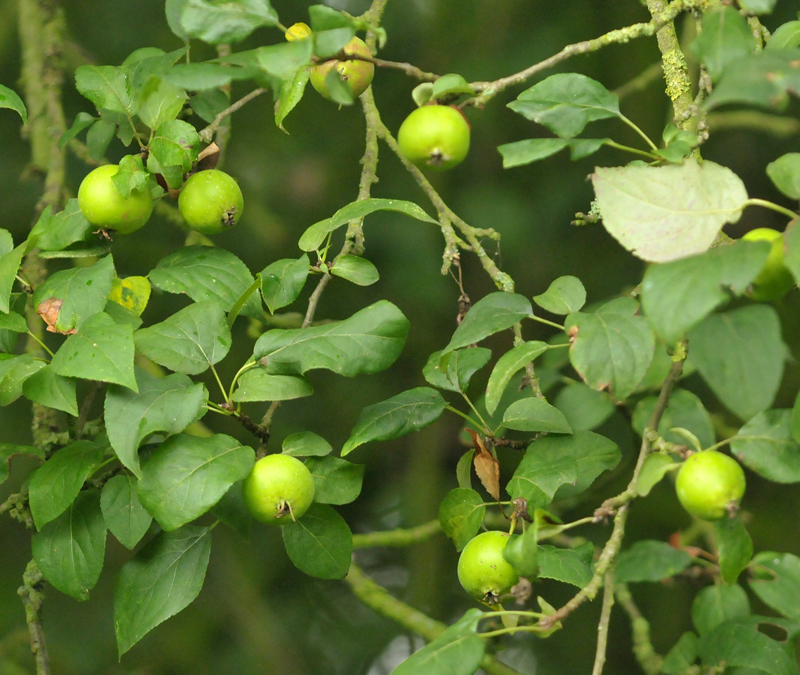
48, 310
486, 465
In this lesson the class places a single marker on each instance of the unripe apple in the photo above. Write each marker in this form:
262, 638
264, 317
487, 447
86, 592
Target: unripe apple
102, 205
710, 485
435, 137
278, 490
482, 570
356, 74
211, 201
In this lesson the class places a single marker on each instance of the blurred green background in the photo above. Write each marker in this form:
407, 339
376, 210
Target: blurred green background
256, 613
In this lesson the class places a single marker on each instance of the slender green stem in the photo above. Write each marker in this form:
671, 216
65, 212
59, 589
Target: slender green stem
219, 382
771, 206
213, 407
398, 537
536, 628
41, 344
641, 133
475, 410
721, 444
468, 418
247, 366
512, 612
546, 322
103, 464
633, 151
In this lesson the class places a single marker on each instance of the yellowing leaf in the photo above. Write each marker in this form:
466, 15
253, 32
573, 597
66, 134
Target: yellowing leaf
132, 293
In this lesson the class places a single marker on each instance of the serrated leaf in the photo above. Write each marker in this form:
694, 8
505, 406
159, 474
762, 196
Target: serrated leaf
740, 354
535, 414
505, 368
83, 292
565, 295
7, 451
54, 232
257, 385
395, 417
306, 444
565, 103
743, 646
108, 87
461, 514
53, 391
335, 480
162, 579
553, 462
368, 342
668, 212
320, 543
13, 381
206, 273
610, 349
159, 101
717, 604
778, 586
123, 513
572, 566
56, 484
189, 341
355, 269
168, 404
766, 445
734, 547
70, 550
678, 295
315, 235
724, 37
650, 560
228, 22
187, 475
462, 364
202, 77
282, 281
491, 314
100, 350
132, 293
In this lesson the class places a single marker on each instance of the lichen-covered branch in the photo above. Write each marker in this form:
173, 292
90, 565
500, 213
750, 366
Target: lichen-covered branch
646, 655
32, 598
605, 620
399, 537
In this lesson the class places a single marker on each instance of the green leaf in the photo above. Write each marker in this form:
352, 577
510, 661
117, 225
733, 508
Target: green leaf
764, 79
555, 461
678, 295
99, 137
100, 350
159, 101
395, 417
306, 444
282, 281
70, 550
56, 232
290, 95
684, 410
457, 651
535, 414
124, 514
522, 552
530, 150
83, 292
186, 475
795, 419
766, 445
734, 547
161, 579
461, 514
56, 484
491, 314
785, 36
131, 293
564, 296
654, 468
7, 451
717, 604
450, 84
776, 581
740, 354
284, 60
14, 379
53, 391
173, 151
784, 172
742, 646
572, 566
757, 6
565, 103
662, 213
583, 407
320, 543
189, 341
724, 37
167, 404
335, 480
612, 348
81, 121
233, 511
10, 99
355, 269
367, 342
791, 248
206, 273
207, 76
9, 265
108, 87
315, 235
257, 385
682, 655
228, 22
505, 368
650, 560
462, 364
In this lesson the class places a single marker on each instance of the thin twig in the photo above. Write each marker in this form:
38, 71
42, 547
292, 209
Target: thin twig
208, 133
398, 537
605, 620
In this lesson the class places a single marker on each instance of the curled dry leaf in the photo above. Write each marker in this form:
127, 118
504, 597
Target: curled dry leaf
486, 465
49, 311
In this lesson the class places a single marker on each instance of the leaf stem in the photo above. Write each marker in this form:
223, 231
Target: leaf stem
770, 205
219, 382
468, 418
633, 151
398, 537
546, 322
247, 366
641, 133
41, 344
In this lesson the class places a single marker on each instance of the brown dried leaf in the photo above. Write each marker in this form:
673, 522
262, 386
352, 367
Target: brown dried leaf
49, 311
486, 465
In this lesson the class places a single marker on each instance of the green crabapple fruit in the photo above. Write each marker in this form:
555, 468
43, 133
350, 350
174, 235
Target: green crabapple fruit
435, 136
356, 74
710, 485
102, 205
211, 201
277, 487
774, 279
483, 571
